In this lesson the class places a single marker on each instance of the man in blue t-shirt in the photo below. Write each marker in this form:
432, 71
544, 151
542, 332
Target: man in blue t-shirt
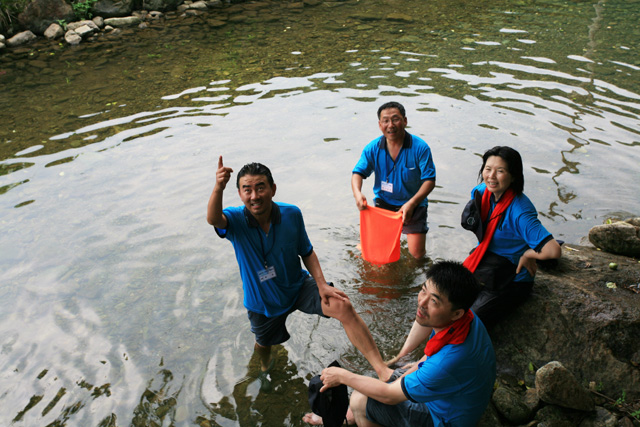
452, 384
269, 240
404, 175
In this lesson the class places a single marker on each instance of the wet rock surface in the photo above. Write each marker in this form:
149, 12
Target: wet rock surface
618, 237
571, 353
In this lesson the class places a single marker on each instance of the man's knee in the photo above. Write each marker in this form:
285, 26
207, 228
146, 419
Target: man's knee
417, 243
358, 403
419, 252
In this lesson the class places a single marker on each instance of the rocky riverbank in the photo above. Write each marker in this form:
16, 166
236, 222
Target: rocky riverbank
57, 20
570, 356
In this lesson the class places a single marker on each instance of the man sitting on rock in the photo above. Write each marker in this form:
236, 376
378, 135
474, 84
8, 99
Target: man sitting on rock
451, 385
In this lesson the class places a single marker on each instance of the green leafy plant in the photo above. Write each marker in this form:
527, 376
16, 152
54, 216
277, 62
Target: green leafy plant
62, 23
9, 10
82, 9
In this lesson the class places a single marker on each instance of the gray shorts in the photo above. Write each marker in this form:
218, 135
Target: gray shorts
405, 413
418, 222
273, 330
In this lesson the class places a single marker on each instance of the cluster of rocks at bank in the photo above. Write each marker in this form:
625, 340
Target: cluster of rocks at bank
56, 17
75, 32
551, 397
585, 316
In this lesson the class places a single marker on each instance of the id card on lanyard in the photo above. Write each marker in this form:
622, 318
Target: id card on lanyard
269, 271
266, 274
385, 185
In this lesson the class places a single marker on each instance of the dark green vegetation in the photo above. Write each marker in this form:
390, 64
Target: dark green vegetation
9, 10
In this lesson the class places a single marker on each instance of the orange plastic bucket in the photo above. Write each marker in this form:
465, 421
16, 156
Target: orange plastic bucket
380, 232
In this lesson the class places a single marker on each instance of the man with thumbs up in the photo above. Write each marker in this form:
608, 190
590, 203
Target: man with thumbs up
269, 239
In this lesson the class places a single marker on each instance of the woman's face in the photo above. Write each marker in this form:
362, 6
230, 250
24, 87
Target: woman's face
496, 176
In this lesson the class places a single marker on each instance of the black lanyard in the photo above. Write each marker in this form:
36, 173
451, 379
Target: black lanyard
265, 254
394, 162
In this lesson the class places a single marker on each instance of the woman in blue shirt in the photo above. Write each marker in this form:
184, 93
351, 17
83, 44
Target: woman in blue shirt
515, 242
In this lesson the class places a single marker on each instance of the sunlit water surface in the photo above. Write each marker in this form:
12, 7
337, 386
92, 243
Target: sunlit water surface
118, 303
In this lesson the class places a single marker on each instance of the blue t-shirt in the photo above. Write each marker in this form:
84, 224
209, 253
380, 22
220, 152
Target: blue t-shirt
256, 251
412, 167
456, 383
519, 230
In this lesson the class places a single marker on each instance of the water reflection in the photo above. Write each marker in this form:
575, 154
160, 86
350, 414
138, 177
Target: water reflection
119, 305
247, 405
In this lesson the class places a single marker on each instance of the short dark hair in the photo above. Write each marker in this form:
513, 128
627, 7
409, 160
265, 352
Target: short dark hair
456, 282
391, 104
514, 164
254, 169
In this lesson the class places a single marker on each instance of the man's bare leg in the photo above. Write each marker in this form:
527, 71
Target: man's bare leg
417, 243
264, 352
358, 405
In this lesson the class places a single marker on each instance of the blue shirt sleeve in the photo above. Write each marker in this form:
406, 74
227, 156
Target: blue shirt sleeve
366, 163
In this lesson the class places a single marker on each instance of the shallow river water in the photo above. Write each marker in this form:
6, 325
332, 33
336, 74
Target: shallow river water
118, 303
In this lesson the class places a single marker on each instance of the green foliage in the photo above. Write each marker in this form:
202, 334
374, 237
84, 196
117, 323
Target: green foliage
9, 10
622, 399
82, 9
62, 23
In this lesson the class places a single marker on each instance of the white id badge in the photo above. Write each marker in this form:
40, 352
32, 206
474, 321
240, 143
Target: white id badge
387, 186
266, 274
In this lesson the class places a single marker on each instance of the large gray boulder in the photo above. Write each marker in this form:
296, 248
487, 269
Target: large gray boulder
21, 38
125, 21
89, 23
558, 386
39, 14
161, 5
112, 8
72, 38
54, 31
620, 237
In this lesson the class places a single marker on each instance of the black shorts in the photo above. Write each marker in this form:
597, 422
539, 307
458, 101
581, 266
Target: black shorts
273, 330
417, 224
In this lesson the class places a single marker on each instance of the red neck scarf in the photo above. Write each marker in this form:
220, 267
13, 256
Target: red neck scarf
473, 260
454, 334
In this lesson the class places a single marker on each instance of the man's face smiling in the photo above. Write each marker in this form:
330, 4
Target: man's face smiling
256, 194
392, 124
434, 308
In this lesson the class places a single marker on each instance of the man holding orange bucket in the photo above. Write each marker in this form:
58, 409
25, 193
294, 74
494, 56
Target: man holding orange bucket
404, 175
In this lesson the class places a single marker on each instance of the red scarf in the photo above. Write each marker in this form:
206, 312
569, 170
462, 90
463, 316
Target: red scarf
454, 334
473, 260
